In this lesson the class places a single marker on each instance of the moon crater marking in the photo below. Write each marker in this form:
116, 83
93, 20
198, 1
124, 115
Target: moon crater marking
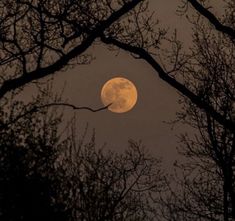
120, 93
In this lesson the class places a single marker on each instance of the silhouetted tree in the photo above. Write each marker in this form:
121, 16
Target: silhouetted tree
204, 185
39, 38
143, 38
46, 176
97, 184
28, 150
205, 77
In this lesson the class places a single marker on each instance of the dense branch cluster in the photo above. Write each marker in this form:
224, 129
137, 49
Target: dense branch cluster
48, 175
40, 38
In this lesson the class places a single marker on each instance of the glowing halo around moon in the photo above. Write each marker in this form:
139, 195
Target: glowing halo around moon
121, 93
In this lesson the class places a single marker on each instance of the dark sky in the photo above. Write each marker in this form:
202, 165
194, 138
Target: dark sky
157, 102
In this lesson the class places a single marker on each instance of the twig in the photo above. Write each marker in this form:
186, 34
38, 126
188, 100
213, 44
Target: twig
37, 108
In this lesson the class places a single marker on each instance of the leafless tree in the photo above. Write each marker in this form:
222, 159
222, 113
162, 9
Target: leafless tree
204, 185
39, 38
49, 175
103, 185
28, 151
205, 78
143, 39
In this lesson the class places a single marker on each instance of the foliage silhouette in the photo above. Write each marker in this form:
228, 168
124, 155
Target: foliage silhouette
46, 176
40, 38
28, 150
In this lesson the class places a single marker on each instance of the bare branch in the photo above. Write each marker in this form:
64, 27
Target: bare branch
172, 81
38, 108
92, 35
212, 19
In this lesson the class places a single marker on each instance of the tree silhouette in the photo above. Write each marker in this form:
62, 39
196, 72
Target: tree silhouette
102, 185
44, 175
205, 184
35, 48
205, 78
28, 150
39, 38
146, 45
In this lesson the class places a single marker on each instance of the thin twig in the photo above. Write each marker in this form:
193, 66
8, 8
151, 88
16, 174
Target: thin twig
37, 108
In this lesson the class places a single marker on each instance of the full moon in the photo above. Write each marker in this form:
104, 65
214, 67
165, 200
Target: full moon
120, 94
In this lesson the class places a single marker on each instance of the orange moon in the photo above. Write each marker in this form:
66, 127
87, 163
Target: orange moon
120, 93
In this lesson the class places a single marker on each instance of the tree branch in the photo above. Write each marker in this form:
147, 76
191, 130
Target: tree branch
171, 81
75, 107
37, 108
212, 19
39, 73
